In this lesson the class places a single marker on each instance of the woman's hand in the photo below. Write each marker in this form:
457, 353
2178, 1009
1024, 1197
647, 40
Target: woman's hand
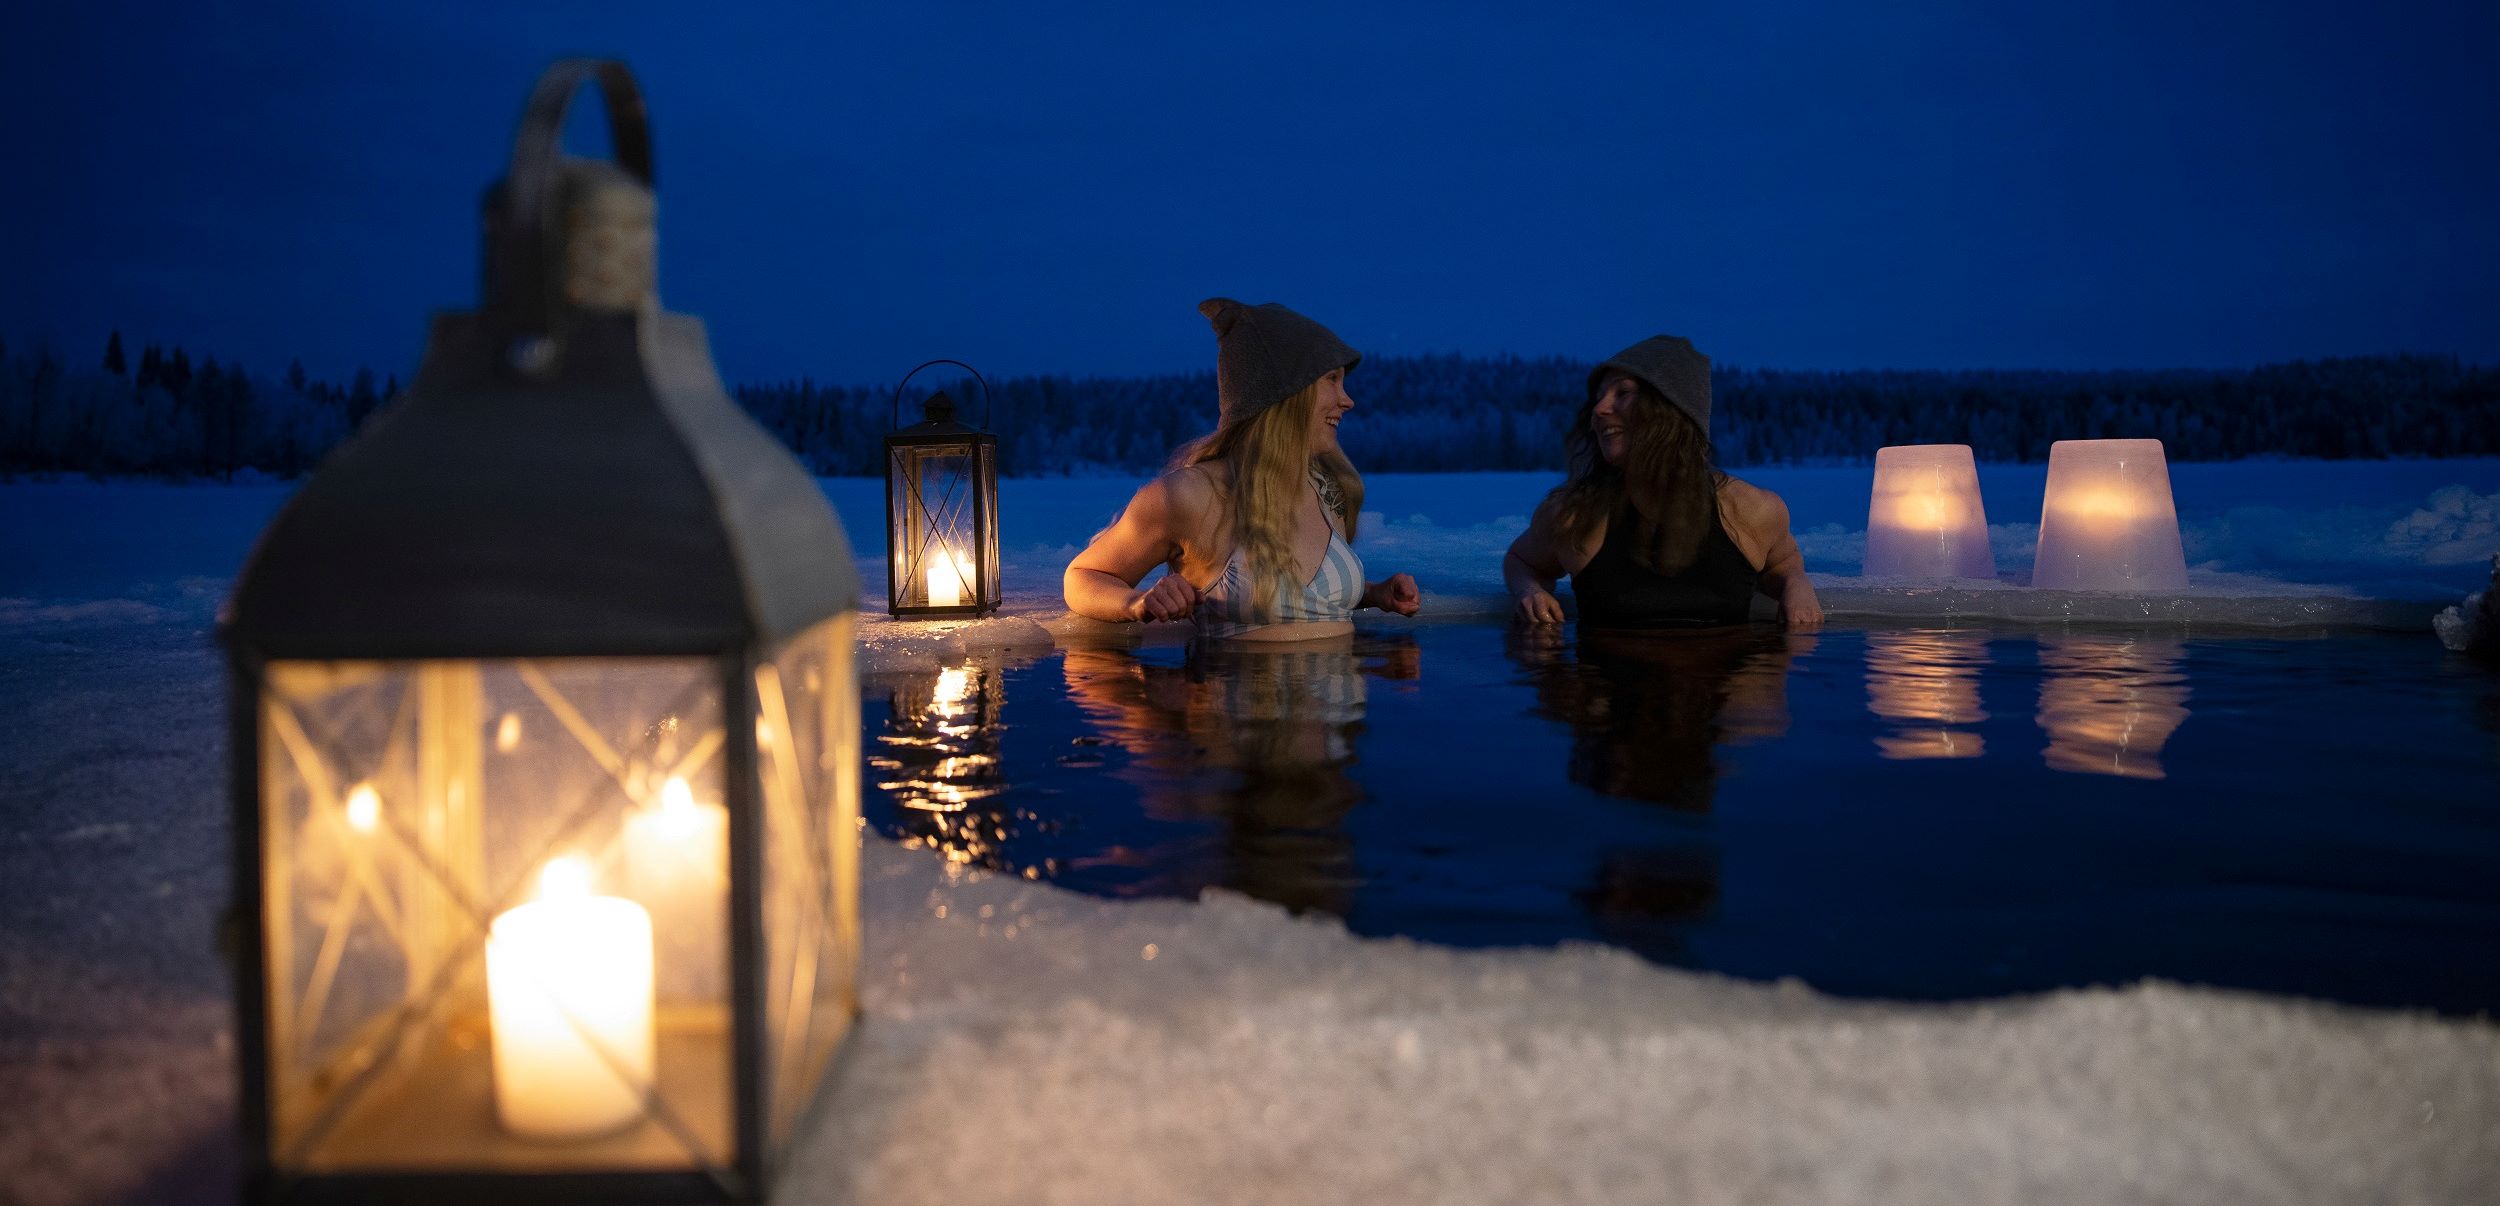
1537, 607
1397, 593
1170, 598
1800, 611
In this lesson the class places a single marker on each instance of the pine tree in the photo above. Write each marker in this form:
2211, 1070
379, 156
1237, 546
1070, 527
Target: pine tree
113, 362
361, 399
178, 372
295, 376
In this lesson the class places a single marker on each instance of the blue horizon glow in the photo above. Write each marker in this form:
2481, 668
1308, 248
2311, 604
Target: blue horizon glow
843, 196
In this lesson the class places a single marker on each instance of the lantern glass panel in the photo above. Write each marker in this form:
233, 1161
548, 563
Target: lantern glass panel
945, 517
571, 808
807, 746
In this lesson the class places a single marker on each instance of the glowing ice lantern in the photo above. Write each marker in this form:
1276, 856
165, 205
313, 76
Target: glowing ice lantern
2106, 520
546, 739
1925, 519
941, 510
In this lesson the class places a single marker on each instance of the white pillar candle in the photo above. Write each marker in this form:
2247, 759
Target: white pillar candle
1924, 519
677, 864
948, 574
2106, 519
569, 991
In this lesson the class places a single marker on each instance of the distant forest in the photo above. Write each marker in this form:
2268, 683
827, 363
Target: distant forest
167, 413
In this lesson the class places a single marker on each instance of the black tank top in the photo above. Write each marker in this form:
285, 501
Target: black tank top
1615, 592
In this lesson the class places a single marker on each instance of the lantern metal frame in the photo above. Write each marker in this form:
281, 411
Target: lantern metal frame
980, 447
561, 480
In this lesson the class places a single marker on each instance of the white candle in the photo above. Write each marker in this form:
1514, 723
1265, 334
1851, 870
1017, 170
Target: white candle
677, 864
568, 987
947, 576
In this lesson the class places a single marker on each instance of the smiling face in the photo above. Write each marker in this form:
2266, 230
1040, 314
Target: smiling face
1328, 408
1611, 417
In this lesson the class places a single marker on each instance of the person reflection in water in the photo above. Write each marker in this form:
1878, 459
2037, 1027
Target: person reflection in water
1651, 533
1647, 711
1255, 739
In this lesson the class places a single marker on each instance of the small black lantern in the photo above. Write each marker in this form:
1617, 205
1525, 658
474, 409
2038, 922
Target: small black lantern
941, 508
545, 744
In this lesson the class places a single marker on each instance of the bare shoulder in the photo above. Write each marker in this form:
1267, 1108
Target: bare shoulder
1751, 505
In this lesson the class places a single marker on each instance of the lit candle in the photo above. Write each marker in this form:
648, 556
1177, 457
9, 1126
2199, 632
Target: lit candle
677, 864
1925, 519
947, 576
364, 808
2107, 521
568, 987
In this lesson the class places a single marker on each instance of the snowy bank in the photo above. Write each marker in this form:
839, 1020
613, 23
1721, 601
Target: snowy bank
1022, 1043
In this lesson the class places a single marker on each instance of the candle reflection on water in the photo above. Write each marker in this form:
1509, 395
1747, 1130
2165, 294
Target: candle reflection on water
2109, 703
1927, 684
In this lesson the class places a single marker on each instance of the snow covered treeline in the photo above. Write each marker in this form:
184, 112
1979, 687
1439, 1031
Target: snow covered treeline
163, 414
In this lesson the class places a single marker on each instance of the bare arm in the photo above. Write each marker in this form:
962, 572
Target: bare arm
1102, 582
1532, 568
1783, 575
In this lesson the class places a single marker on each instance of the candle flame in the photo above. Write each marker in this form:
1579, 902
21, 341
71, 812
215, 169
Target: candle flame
508, 733
565, 878
679, 818
364, 808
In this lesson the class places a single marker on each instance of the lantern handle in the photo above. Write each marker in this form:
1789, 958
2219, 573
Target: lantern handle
976, 375
521, 282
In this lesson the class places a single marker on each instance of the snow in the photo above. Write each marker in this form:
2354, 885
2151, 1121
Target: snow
1025, 1044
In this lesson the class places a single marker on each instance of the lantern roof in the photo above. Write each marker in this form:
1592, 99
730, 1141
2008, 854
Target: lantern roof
565, 476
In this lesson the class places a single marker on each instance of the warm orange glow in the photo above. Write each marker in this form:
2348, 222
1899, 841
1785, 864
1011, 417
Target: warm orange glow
508, 733
2107, 506
950, 573
566, 877
364, 808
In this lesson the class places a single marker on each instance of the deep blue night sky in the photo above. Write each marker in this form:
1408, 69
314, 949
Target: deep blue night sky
844, 194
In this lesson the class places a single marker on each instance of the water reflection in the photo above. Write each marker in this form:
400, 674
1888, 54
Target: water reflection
937, 756
1646, 711
1258, 741
2109, 702
1927, 684
1645, 708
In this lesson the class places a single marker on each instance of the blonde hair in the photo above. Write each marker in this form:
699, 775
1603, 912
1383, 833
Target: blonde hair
1270, 458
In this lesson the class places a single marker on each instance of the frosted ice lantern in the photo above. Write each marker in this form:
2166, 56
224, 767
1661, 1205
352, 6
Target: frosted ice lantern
941, 509
1924, 519
562, 600
2107, 521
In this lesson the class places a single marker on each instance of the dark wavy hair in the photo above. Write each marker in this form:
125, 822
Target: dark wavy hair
1666, 477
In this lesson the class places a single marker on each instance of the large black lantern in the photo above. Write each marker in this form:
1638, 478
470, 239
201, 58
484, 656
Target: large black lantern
545, 749
941, 509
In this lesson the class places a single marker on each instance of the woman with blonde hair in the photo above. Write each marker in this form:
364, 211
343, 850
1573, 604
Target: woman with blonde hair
1254, 522
1651, 533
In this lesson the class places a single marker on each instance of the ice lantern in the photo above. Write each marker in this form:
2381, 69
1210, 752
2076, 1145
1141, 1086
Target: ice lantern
2106, 520
941, 509
545, 749
1925, 519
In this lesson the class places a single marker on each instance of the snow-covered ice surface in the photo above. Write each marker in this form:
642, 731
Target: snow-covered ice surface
1026, 1044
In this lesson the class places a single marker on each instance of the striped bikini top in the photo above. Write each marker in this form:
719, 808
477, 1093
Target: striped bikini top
1333, 593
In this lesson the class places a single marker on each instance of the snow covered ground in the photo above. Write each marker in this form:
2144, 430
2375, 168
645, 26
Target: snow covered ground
1024, 1044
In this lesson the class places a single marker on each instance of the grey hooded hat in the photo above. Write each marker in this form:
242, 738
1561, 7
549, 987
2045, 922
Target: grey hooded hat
1671, 365
1266, 353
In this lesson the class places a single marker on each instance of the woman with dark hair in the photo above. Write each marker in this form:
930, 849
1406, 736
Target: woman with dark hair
1650, 532
1255, 521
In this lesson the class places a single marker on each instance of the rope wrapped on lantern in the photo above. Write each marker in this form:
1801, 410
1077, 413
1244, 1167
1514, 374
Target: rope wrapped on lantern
545, 747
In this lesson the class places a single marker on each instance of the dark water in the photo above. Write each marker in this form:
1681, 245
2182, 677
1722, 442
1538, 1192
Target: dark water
1905, 813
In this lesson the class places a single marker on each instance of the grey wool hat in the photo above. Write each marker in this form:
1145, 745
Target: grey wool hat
1671, 365
1266, 353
